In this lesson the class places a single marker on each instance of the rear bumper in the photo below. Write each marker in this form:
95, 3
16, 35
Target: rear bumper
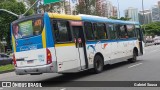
51, 68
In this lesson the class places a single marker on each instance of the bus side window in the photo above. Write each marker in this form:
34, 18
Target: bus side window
55, 30
62, 31
89, 31
131, 31
121, 31
100, 31
112, 32
117, 27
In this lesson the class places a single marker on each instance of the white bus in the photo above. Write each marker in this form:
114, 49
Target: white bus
57, 43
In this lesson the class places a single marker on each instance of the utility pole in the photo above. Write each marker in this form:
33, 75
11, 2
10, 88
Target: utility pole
143, 12
143, 19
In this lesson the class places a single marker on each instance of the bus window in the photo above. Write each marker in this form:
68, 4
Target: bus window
27, 28
111, 31
89, 31
131, 31
121, 31
100, 32
62, 31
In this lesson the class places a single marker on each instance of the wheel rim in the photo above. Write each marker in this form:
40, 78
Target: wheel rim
134, 57
98, 65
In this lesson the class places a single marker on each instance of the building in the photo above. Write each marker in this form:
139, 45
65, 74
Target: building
155, 13
108, 10
146, 18
132, 13
68, 8
99, 7
115, 12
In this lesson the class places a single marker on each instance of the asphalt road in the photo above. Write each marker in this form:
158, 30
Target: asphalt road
147, 68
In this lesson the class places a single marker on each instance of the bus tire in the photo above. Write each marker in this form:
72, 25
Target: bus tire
98, 64
134, 57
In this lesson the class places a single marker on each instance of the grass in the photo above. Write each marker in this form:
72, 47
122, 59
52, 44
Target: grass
6, 68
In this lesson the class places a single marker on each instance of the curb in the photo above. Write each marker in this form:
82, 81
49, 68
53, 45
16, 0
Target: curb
6, 71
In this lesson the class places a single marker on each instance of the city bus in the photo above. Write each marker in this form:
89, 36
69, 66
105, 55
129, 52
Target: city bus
59, 43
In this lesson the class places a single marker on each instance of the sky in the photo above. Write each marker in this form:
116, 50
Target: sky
124, 4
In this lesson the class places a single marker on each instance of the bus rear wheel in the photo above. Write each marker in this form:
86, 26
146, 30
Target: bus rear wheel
98, 64
134, 57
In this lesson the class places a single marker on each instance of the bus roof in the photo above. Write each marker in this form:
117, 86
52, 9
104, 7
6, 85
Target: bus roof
103, 19
89, 18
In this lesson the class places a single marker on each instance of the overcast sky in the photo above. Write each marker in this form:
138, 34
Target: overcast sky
124, 4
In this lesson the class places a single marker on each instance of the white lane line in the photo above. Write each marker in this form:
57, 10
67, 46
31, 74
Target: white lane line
63, 89
135, 65
153, 51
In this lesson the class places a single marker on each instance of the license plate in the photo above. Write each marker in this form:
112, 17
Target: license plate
29, 61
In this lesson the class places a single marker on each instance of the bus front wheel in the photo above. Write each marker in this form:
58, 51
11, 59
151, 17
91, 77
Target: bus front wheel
98, 64
134, 57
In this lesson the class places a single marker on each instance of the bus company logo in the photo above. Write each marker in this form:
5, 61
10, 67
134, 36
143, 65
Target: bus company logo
93, 47
104, 45
6, 84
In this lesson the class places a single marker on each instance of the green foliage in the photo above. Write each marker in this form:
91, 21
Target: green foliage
122, 18
6, 68
152, 28
88, 7
6, 19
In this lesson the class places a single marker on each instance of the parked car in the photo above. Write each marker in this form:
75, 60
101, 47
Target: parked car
5, 59
157, 40
149, 39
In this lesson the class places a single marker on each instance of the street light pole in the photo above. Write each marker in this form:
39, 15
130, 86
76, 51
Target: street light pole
143, 20
118, 9
143, 12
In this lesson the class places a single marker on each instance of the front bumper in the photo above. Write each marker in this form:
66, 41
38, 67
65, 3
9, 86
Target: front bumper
51, 68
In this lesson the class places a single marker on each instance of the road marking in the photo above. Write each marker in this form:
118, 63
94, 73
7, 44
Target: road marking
153, 51
63, 89
135, 65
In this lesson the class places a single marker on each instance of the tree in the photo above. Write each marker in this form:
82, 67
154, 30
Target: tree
87, 7
152, 28
6, 19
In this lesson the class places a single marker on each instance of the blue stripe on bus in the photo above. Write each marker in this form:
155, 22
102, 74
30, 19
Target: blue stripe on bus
49, 35
109, 41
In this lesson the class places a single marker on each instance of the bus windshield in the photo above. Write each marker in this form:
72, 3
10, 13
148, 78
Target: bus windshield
27, 28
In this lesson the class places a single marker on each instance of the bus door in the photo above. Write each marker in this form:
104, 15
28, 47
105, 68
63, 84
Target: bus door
79, 40
140, 38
